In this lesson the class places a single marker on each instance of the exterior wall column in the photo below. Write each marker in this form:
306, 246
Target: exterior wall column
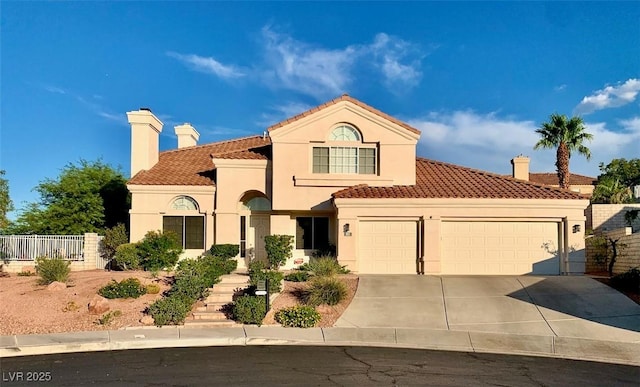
281, 224
347, 243
575, 245
431, 242
227, 228
90, 251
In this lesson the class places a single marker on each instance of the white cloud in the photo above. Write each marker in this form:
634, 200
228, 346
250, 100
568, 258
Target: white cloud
489, 141
560, 87
609, 97
208, 65
55, 89
389, 53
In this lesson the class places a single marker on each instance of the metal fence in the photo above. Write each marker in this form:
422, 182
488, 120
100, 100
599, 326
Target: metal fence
30, 247
101, 261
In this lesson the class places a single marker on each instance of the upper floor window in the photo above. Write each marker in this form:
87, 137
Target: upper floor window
184, 203
344, 133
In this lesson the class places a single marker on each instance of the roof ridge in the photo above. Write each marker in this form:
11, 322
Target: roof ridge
211, 144
556, 173
493, 174
343, 97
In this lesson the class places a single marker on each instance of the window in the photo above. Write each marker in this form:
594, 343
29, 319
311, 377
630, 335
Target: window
184, 203
243, 236
190, 230
344, 160
344, 133
312, 233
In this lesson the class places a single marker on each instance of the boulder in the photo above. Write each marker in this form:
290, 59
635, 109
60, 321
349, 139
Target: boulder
147, 320
98, 305
56, 286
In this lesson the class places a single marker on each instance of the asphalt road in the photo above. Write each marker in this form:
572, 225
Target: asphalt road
307, 366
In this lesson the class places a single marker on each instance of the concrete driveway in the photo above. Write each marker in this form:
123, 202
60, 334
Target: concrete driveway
533, 305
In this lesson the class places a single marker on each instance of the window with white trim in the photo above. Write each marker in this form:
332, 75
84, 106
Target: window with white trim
189, 228
339, 159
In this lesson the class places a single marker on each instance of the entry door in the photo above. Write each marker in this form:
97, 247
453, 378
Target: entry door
259, 227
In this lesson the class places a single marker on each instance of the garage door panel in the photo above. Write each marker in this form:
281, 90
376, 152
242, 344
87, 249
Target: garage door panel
502, 248
387, 247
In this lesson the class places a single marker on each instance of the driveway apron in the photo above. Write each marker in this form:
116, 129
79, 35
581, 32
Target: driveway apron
533, 305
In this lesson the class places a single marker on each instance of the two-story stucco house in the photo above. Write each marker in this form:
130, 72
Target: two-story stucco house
346, 174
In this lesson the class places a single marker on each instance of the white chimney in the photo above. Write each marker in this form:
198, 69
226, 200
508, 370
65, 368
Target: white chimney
145, 145
187, 135
520, 167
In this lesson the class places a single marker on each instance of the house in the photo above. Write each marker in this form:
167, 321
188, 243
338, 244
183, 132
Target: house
577, 183
346, 174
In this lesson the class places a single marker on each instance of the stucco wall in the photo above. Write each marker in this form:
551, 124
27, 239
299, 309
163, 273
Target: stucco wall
628, 251
607, 217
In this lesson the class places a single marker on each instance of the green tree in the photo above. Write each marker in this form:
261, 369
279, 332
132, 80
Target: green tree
627, 172
6, 205
87, 197
609, 190
567, 135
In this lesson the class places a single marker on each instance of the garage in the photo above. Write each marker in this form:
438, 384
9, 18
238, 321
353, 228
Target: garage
499, 248
387, 247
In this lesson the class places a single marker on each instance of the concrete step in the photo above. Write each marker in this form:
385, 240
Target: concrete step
219, 297
211, 323
223, 287
234, 279
213, 316
212, 307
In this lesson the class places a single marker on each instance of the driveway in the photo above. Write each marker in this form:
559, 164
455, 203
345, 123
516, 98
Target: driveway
569, 306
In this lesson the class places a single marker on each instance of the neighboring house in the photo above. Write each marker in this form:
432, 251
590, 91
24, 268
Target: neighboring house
346, 174
577, 183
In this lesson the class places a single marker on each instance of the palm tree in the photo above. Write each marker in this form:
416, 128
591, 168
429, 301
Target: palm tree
567, 135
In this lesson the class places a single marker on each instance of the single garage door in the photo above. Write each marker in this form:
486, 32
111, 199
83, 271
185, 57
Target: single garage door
387, 247
502, 248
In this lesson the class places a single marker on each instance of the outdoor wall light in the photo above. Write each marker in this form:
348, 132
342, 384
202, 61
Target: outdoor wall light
576, 228
346, 230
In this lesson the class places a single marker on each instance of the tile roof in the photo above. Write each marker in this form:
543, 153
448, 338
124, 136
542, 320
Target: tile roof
193, 165
551, 178
344, 97
436, 180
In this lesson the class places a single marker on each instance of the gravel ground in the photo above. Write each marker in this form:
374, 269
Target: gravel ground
28, 308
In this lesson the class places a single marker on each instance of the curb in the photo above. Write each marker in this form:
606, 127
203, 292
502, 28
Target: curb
414, 338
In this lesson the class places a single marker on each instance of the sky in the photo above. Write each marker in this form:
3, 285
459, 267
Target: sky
476, 78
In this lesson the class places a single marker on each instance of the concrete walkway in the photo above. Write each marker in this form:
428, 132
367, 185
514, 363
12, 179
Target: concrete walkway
576, 307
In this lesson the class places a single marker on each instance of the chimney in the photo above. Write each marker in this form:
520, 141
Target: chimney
187, 135
145, 132
520, 167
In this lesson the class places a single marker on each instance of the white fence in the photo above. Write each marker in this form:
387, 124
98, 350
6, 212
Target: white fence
17, 251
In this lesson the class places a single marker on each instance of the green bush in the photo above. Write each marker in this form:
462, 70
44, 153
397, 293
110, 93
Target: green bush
279, 249
225, 251
298, 316
257, 272
153, 289
628, 281
329, 251
326, 290
297, 276
127, 288
113, 237
159, 250
52, 269
325, 266
126, 257
170, 310
249, 309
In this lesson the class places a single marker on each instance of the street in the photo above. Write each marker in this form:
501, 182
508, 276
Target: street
306, 365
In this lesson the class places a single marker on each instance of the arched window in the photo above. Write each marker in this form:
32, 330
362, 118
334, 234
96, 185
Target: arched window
190, 229
344, 133
184, 203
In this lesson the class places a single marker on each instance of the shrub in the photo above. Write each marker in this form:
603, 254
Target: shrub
249, 309
52, 269
159, 250
325, 266
629, 280
298, 316
170, 310
26, 273
329, 251
257, 272
225, 251
326, 290
279, 249
297, 276
127, 288
113, 237
126, 257
108, 317
153, 289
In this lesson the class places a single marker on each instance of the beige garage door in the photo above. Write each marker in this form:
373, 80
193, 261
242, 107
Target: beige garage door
503, 248
387, 247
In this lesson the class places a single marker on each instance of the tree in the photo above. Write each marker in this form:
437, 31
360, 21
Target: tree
567, 135
87, 197
6, 205
611, 191
625, 172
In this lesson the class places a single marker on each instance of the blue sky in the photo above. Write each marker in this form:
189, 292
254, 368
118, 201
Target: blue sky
477, 78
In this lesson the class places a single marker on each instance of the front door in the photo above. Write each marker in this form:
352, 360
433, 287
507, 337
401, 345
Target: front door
259, 227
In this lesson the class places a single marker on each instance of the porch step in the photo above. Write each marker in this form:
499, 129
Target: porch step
226, 287
212, 306
211, 323
220, 295
213, 316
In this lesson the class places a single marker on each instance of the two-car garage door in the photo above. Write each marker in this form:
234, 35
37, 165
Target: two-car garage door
502, 248
466, 247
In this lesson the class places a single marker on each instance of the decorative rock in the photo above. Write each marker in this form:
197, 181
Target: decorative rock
147, 320
56, 286
98, 305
